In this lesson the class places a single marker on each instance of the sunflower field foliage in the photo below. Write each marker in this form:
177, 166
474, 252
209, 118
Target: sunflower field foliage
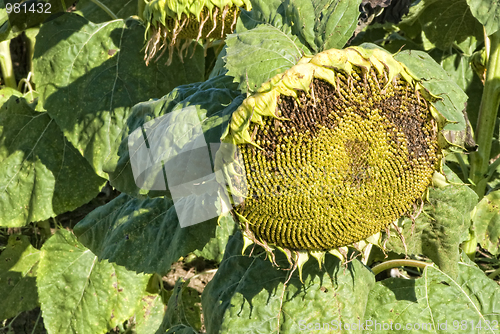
249, 166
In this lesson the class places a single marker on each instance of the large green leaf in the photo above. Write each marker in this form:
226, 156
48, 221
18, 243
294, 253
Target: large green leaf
487, 12
145, 235
322, 24
186, 112
256, 55
435, 303
440, 229
439, 83
249, 295
18, 264
41, 174
90, 75
487, 222
264, 43
449, 22
457, 65
334, 22
80, 294
94, 13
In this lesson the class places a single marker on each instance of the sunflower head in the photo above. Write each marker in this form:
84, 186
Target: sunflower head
332, 151
174, 24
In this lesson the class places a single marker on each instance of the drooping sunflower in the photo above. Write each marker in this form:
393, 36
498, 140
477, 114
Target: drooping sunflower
331, 152
175, 24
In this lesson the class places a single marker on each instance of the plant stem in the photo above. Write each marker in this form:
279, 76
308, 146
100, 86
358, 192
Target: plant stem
479, 161
36, 323
399, 263
9, 78
30, 45
141, 4
494, 274
487, 117
106, 9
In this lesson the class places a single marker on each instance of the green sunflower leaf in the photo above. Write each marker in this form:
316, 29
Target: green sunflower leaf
276, 34
436, 303
41, 173
486, 221
18, 265
185, 114
145, 235
256, 55
249, 295
486, 12
336, 24
97, 72
32, 12
80, 294
447, 22
92, 12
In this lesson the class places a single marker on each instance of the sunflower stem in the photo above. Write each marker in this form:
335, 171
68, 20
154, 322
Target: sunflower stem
9, 78
484, 129
494, 274
487, 117
141, 4
399, 263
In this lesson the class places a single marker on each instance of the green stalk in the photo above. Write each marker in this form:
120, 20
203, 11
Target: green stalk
141, 4
9, 78
30, 45
485, 128
106, 9
487, 117
399, 263
494, 274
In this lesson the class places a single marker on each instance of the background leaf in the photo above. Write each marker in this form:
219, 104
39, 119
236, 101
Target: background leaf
25, 18
448, 22
97, 71
256, 55
457, 65
434, 299
486, 221
214, 101
122, 9
276, 34
145, 235
18, 265
41, 174
79, 293
486, 12
249, 295
336, 22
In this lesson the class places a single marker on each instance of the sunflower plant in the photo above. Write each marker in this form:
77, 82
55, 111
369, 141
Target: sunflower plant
334, 164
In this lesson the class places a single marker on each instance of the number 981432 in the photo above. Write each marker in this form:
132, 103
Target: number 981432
27, 8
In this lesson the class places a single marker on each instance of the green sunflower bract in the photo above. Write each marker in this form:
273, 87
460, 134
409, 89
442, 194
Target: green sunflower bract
333, 150
175, 24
